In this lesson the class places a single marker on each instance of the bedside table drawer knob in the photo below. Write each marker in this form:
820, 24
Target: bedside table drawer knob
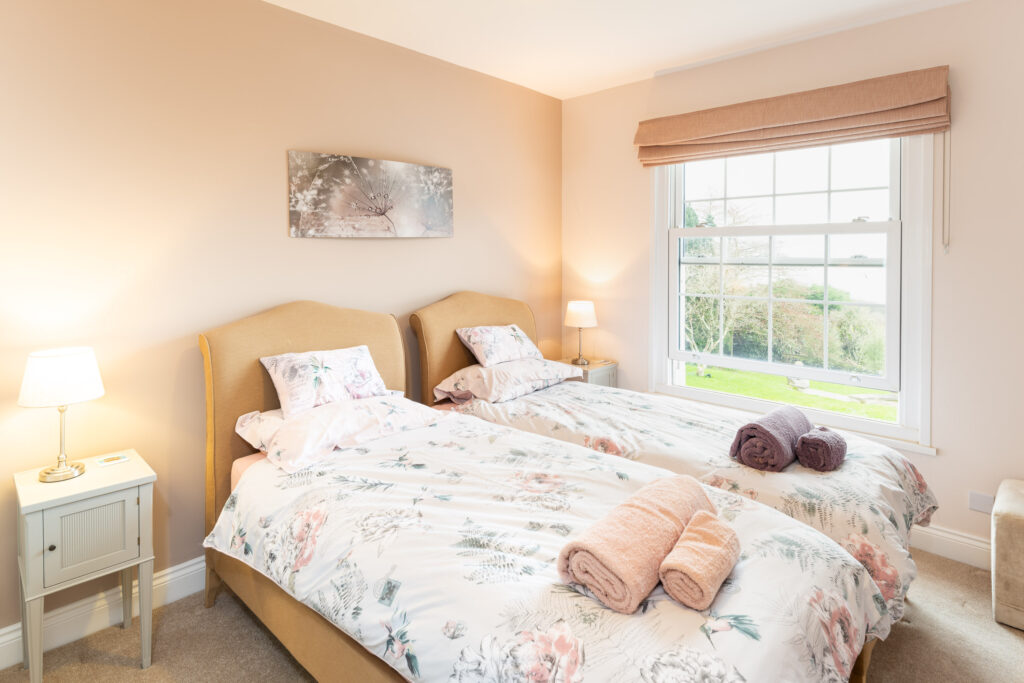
52, 548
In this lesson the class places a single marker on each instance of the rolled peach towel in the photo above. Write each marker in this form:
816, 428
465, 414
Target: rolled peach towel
617, 558
701, 560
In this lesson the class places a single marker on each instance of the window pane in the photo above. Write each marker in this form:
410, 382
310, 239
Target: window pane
798, 282
699, 279
801, 209
749, 175
856, 339
698, 249
856, 283
704, 214
700, 324
746, 329
746, 280
757, 298
749, 211
868, 205
860, 164
856, 248
704, 179
746, 250
801, 170
798, 249
838, 398
797, 334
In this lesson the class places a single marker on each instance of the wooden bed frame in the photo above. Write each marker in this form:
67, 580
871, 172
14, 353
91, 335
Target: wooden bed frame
442, 353
236, 384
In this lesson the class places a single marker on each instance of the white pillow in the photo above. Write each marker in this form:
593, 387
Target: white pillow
493, 344
504, 381
314, 435
311, 379
259, 428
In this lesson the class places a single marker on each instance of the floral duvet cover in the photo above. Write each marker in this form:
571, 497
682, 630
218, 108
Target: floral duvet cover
868, 505
435, 549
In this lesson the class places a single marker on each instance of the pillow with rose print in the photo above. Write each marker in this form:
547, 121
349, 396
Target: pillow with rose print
316, 434
505, 381
493, 344
314, 378
259, 428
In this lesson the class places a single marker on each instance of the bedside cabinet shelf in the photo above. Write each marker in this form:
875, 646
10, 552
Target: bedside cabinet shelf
72, 531
603, 372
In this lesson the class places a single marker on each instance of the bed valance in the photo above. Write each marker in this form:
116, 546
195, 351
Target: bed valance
890, 106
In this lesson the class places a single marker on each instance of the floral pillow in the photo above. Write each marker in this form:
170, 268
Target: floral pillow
308, 380
504, 381
493, 344
316, 434
259, 428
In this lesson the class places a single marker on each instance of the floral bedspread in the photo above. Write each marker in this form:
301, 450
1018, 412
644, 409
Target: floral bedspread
435, 549
868, 505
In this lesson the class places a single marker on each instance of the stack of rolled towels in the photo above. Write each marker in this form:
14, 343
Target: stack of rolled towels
773, 441
668, 531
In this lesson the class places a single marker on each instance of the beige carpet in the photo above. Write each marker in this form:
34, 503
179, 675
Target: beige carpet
947, 635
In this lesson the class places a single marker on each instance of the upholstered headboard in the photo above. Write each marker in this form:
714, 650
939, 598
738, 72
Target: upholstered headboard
441, 352
236, 382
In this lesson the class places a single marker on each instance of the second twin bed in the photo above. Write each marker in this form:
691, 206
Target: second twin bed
868, 505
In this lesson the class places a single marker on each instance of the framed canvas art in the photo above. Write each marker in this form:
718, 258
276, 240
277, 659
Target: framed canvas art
334, 195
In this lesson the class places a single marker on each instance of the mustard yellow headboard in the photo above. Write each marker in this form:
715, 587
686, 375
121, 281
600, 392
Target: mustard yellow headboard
441, 352
236, 382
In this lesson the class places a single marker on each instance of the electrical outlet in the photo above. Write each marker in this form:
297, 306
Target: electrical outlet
982, 502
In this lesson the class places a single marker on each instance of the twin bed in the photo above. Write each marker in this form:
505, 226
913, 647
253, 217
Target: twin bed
429, 554
868, 505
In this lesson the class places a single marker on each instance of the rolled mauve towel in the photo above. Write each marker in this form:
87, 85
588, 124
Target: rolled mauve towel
821, 449
768, 442
618, 557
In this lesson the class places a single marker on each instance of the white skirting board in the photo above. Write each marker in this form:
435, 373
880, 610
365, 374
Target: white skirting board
79, 619
973, 550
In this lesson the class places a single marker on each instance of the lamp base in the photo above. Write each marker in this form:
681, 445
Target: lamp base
580, 361
61, 472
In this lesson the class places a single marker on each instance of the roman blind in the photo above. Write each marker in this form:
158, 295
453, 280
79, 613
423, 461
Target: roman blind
890, 106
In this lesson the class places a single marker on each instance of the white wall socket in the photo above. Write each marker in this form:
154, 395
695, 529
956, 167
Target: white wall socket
982, 502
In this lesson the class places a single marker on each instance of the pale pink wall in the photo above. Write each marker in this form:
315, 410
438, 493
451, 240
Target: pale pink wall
143, 185
977, 376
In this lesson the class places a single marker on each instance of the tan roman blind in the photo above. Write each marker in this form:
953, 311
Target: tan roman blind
891, 106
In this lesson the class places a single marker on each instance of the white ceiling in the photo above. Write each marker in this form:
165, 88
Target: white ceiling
566, 48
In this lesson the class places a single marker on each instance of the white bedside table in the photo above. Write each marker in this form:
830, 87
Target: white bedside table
72, 531
603, 372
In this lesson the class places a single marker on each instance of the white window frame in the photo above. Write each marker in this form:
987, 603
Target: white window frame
910, 338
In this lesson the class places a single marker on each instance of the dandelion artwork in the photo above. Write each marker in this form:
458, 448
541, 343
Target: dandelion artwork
333, 195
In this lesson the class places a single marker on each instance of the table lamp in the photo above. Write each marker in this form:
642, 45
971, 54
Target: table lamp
580, 314
55, 379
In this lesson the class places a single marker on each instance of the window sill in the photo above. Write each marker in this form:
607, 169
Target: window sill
896, 436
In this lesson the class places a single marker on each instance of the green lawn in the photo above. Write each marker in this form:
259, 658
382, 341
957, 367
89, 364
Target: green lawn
775, 388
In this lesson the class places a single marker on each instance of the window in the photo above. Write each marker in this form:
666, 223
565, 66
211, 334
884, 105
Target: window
785, 279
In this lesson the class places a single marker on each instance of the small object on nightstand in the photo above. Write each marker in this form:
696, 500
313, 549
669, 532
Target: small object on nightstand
82, 530
114, 459
55, 379
603, 372
580, 314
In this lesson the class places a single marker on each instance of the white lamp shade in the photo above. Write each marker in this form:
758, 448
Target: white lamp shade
58, 377
580, 314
